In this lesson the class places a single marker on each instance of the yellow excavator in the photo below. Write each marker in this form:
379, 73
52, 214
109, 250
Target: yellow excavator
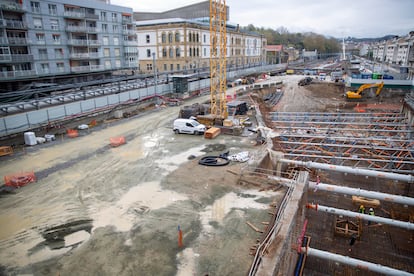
358, 94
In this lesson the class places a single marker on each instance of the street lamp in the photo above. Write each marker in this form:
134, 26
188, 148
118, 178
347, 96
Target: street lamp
155, 72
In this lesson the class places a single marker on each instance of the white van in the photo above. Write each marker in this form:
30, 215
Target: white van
189, 126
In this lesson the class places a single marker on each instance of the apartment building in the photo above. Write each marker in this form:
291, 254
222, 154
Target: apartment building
184, 44
62, 39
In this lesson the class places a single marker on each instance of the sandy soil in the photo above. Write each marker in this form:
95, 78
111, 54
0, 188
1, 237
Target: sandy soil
97, 210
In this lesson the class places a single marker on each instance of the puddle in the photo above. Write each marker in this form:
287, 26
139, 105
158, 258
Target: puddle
171, 163
221, 207
138, 201
186, 262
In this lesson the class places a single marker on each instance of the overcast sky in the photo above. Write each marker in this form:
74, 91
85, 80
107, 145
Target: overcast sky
338, 18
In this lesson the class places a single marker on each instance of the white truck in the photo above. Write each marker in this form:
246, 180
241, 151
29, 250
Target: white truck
189, 126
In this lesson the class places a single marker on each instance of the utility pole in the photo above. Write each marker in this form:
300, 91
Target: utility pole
155, 72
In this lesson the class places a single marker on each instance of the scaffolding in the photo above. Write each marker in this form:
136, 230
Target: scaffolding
380, 141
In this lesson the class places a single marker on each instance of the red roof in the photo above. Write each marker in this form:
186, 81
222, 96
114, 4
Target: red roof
276, 48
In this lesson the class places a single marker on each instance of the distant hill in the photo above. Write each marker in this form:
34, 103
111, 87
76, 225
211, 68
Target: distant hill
377, 39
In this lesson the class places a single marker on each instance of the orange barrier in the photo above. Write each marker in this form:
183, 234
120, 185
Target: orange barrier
117, 141
72, 133
19, 179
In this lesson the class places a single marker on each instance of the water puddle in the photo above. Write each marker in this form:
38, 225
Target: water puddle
138, 201
171, 163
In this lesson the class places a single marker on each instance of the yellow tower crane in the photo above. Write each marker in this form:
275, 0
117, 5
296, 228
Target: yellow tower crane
218, 54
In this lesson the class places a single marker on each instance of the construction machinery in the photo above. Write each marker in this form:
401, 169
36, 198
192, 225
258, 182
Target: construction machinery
358, 94
218, 49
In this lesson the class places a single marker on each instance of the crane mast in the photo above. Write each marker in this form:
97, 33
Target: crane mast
218, 54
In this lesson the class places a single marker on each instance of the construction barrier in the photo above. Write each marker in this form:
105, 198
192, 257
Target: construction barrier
72, 133
212, 133
19, 179
117, 141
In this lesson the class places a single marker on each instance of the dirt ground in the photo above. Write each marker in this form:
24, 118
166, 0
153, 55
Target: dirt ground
97, 210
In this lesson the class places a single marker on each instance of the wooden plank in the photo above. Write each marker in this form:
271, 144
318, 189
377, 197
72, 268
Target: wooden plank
253, 227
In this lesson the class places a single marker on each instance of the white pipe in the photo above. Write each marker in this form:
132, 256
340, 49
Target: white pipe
364, 193
309, 164
354, 262
397, 223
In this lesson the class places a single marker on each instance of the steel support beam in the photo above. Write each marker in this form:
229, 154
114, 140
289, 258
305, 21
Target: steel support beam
354, 262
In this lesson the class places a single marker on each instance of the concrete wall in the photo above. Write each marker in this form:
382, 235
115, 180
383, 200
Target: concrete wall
282, 256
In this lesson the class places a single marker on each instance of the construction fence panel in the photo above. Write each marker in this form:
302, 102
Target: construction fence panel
72, 109
113, 99
34, 118
88, 105
135, 94
15, 123
101, 102
123, 97
55, 113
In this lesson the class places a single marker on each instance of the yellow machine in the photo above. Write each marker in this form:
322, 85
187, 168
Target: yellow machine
358, 94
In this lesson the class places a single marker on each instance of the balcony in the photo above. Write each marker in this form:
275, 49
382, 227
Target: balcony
91, 16
17, 41
22, 58
78, 42
130, 43
17, 74
74, 14
13, 24
128, 32
82, 29
4, 41
90, 68
85, 55
10, 6
5, 58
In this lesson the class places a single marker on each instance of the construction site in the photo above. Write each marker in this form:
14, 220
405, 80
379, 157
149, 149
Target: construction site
293, 175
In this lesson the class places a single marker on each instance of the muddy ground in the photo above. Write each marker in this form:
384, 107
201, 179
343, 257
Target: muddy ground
97, 210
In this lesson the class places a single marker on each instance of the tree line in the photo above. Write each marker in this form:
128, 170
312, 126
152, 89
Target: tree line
309, 41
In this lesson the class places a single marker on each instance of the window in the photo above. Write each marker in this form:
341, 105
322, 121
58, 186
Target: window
37, 23
171, 53
106, 52
171, 67
52, 9
205, 52
35, 6
117, 52
204, 38
177, 37
198, 52
165, 67
147, 38
42, 53
59, 53
118, 63
189, 37
4, 51
178, 52
103, 16
107, 64
149, 67
170, 37
104, 27
197, 38
56, 38
54, 24
148, 53
115, 28
105, 40
45, 68
60, 67
164, 52
163, 38
114, 17
178, 67
116, 40
191, 52
40, 38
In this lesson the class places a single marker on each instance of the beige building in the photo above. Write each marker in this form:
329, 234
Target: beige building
184, 45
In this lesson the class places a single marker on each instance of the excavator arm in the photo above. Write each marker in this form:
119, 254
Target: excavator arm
358, 94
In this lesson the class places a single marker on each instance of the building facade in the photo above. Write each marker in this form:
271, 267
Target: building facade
58, 38
184, 45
